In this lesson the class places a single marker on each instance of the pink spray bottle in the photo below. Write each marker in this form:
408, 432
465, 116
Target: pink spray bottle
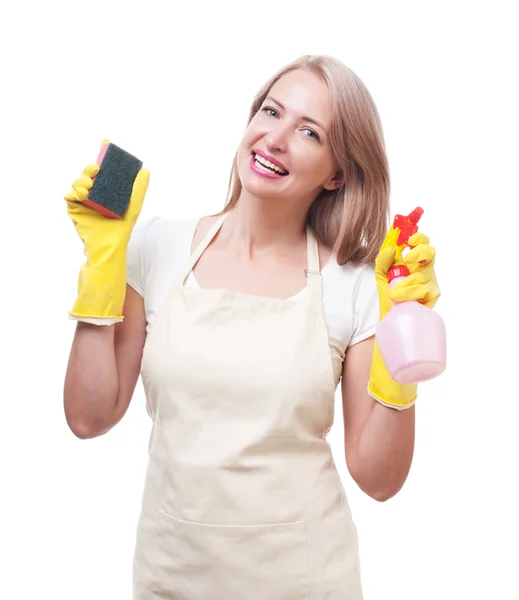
411, 337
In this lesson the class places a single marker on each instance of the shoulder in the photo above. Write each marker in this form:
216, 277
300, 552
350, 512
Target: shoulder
159, 226
157, 246
349, 279
153, 233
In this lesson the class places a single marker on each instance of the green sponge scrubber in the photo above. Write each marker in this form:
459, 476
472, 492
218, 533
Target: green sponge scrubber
112, 188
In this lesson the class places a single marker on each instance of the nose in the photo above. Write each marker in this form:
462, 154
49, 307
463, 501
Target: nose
277, 138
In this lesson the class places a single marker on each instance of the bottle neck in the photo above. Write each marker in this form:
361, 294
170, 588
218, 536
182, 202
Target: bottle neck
397, 271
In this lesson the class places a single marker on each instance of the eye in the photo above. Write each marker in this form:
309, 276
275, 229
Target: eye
269, 110
313, 134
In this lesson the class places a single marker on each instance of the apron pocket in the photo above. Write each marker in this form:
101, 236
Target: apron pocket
213, 562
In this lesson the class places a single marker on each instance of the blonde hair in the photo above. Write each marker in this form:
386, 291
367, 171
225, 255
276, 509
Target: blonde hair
353, 219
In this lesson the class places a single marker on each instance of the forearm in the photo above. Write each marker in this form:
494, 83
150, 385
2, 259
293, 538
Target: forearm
91, 382
384, 451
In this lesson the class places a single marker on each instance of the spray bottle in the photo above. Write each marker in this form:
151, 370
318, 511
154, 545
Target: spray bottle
411, 337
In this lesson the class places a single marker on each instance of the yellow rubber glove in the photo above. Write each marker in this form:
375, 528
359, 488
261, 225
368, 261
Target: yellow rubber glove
421, 285
102, 278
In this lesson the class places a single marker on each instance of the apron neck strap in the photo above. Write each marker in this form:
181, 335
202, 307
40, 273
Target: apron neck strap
313, 272
199, 250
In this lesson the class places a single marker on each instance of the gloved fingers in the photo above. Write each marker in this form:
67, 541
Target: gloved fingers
140, 186
420, 256
418, 238
91, 170
384, 261
83, 182
82, 185
409, 292
417, 278
78, 192
420, 286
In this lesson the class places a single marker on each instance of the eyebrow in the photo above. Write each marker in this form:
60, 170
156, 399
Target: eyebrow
309, 119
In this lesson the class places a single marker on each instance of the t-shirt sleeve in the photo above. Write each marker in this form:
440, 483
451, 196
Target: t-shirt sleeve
137, 255
366, 306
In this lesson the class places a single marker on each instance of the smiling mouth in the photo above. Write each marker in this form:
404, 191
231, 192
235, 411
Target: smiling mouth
263, 163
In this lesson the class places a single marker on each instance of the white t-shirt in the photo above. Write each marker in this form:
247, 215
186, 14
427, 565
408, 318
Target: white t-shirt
158, 252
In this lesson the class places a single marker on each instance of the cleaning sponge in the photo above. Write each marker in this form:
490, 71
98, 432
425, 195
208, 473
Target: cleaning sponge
112, 188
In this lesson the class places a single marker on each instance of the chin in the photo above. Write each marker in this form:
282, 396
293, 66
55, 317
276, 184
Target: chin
254, 188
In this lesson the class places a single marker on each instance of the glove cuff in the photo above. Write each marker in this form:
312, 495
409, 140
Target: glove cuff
395, 403
101, 292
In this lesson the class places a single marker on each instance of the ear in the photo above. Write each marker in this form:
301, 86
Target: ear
334, 182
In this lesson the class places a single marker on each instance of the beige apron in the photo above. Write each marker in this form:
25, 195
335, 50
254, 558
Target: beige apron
242, 499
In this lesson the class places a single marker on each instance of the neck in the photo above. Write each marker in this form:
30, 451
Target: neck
263, 224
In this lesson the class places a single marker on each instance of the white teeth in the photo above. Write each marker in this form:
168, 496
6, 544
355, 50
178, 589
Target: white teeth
267, 163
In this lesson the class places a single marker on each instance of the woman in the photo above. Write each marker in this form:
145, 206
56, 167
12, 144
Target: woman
244, 323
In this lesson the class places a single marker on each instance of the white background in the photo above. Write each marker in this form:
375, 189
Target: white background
172, 84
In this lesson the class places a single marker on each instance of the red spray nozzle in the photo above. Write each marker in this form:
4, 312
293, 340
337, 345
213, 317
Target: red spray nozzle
408, 225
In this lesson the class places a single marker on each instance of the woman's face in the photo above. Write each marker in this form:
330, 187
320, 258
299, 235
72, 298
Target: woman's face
286, 151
